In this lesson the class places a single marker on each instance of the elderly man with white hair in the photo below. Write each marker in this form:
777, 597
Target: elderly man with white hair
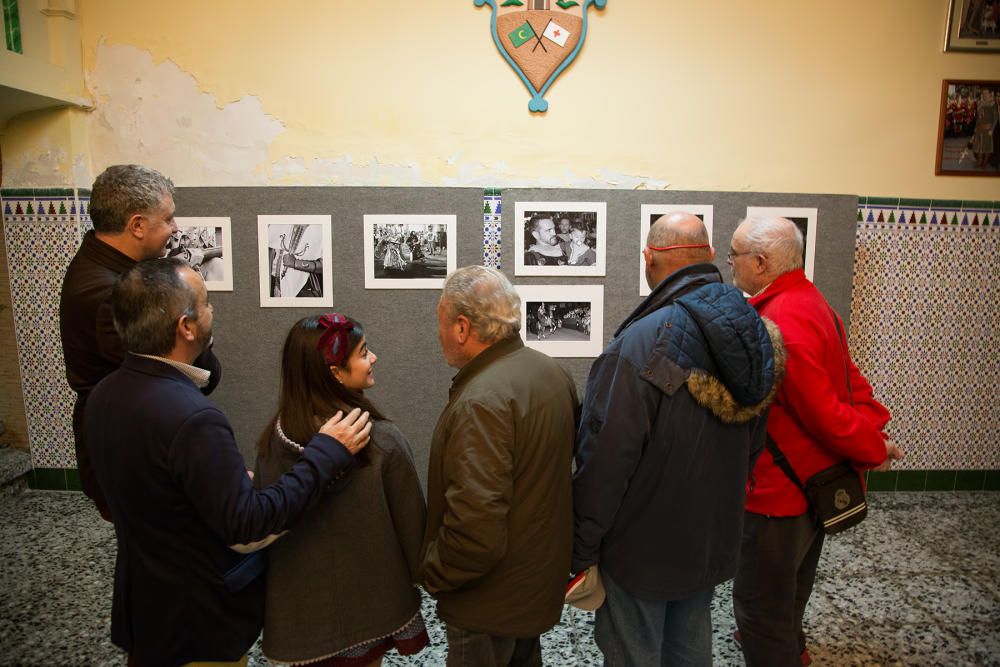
825, 413
499, 506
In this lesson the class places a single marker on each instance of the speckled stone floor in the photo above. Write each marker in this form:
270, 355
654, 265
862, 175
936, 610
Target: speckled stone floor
918, 583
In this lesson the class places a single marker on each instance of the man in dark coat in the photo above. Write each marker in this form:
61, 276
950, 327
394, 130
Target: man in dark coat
132, 208
183, 505
673, 419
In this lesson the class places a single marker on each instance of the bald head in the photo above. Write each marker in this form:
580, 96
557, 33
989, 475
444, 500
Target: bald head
675, 229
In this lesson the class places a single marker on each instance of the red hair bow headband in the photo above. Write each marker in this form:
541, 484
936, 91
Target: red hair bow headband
333, 342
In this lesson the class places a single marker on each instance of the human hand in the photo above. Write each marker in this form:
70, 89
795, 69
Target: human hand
892, 453
288, 259
352, 431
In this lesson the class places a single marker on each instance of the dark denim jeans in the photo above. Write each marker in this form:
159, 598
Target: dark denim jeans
641, 633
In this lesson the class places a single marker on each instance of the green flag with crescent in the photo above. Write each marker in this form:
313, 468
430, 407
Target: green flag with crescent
521, 35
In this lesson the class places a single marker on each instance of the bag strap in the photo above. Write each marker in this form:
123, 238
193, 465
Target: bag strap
782, 462
779, 457
843, 346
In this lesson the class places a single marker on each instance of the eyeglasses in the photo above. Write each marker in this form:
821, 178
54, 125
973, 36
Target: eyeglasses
730, 255
677, 247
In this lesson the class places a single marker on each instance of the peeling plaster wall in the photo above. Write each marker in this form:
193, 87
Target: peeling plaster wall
800, 97
153, 113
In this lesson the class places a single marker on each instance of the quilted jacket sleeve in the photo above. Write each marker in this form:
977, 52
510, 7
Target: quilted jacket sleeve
610, 443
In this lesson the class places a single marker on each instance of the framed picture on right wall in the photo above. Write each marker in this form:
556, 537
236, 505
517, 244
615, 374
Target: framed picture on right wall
804, 218
973, 25
968, 140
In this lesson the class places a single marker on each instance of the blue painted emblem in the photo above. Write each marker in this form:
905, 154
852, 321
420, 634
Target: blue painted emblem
539, 39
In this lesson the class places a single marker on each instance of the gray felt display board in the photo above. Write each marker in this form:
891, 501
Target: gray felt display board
834, 262
401, 325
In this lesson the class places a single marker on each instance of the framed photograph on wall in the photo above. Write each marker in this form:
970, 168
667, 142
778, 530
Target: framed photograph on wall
206, 244
968, 129
804, 218
560, 238
409, 251
563, 320
295, 260
649, 213
973, 25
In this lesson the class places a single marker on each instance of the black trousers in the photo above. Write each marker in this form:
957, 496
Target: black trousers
778, 559
477, 649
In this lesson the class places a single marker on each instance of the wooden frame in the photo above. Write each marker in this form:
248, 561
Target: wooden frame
960, 132
969, 30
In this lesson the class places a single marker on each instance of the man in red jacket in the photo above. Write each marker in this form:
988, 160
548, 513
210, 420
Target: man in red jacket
824, 413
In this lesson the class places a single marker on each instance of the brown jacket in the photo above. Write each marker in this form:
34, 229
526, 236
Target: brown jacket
499, 508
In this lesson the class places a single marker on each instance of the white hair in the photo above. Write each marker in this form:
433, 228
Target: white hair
779, 239
487, 298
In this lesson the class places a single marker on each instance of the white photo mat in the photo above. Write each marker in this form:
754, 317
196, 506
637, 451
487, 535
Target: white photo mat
210, 267
801, 216
305, 237
450, 225
647, 211
554, 294
524, 210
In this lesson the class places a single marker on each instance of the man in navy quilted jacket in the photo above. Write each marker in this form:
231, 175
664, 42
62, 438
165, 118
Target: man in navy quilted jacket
673, 421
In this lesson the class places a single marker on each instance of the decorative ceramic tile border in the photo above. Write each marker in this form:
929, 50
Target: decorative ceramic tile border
925, 317
491, 227
41, 228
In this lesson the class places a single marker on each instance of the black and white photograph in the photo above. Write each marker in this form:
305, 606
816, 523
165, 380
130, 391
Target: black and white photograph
560, 238
206, 245
408, 251
804, 218
563, 320
295, 255
650, 213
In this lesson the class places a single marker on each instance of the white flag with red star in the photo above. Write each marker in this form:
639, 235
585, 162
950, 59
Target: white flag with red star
556, 33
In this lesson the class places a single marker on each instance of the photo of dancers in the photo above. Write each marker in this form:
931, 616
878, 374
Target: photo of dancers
408, 251
560, 238
206, 245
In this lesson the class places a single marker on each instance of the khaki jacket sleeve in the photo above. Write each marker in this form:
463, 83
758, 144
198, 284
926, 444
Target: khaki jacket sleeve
478, 485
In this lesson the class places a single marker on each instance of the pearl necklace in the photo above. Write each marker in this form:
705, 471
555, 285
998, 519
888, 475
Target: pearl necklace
296, 447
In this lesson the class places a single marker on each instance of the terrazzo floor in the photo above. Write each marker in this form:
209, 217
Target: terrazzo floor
918, 583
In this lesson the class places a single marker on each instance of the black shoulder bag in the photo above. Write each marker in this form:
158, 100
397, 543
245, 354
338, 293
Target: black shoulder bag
835, 494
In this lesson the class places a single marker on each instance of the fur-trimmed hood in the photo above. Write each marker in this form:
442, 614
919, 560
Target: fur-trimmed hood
711, 393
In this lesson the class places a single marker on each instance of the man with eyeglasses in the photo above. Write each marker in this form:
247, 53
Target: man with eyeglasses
825, 413
672, 422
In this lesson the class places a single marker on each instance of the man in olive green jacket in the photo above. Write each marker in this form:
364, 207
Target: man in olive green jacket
499, 500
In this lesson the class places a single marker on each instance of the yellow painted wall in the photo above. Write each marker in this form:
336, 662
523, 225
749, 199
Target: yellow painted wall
783, 95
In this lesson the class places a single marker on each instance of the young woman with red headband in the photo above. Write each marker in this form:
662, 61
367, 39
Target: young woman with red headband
340, 585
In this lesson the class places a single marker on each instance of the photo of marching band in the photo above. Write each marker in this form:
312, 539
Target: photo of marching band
408, 251
563, 320
559, 321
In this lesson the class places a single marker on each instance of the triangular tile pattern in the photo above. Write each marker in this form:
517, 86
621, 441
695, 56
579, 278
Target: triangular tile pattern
42, 235
491, 227
925, 309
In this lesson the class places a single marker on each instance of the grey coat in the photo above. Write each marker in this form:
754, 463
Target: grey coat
345, 573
